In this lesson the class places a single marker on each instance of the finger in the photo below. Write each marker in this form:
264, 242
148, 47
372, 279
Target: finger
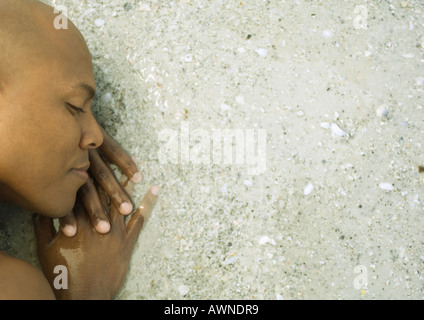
94, 208
142, 215
106, 178
44, 230
68, 225
104, 198
115, 154
127, 184
81, 215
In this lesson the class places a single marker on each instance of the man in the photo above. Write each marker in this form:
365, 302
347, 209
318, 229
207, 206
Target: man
48, 141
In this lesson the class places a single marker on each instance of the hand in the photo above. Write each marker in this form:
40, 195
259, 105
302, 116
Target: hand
100, 170
96, 263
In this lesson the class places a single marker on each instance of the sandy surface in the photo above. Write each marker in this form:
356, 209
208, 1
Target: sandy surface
321, 196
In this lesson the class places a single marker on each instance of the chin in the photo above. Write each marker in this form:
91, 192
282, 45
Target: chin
60, 208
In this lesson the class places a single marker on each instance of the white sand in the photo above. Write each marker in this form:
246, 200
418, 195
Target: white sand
341, 102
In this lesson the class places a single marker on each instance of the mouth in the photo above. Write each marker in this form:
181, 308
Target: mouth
81, 172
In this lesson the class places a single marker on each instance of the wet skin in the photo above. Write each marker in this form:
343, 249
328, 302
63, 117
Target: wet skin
92, 260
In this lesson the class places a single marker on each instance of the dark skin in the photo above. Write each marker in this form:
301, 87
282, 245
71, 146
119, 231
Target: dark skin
49, 141
109, 152
97, 254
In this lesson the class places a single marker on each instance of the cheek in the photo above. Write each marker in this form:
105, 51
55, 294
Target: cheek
57, 185
47, 152
46, 132
40, 153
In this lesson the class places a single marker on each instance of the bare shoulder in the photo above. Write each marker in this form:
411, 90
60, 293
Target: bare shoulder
20, 280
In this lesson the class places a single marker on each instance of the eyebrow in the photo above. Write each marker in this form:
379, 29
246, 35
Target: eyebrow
89, 89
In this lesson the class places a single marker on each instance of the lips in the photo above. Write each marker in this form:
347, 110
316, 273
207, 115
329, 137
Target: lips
81, 172
83, 168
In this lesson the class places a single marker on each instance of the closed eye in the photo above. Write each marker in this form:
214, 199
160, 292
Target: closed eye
79, 110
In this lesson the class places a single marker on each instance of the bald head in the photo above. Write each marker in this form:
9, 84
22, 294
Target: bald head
46, 124
29, 39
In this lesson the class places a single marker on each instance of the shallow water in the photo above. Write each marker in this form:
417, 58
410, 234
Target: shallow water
336, 197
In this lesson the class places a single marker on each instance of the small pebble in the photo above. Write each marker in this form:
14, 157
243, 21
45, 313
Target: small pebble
327, 33
336, 130
325, 125
230, 260
382, 111
308, 189
99, 22
225, 107
240, 99
404, 4
386, 186
183, 289
106, 98
265, 240
248, 183
408, 55
262, 52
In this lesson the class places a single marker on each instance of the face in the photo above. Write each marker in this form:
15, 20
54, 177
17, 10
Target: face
47, 128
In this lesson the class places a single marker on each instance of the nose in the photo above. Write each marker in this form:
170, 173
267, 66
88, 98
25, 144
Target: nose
92, 135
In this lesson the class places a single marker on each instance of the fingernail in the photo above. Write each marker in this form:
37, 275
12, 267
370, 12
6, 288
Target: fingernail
137, 177
125, 208
103, 226
69, 230
155, 190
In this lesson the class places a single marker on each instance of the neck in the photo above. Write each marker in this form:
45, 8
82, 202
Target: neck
3, 193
